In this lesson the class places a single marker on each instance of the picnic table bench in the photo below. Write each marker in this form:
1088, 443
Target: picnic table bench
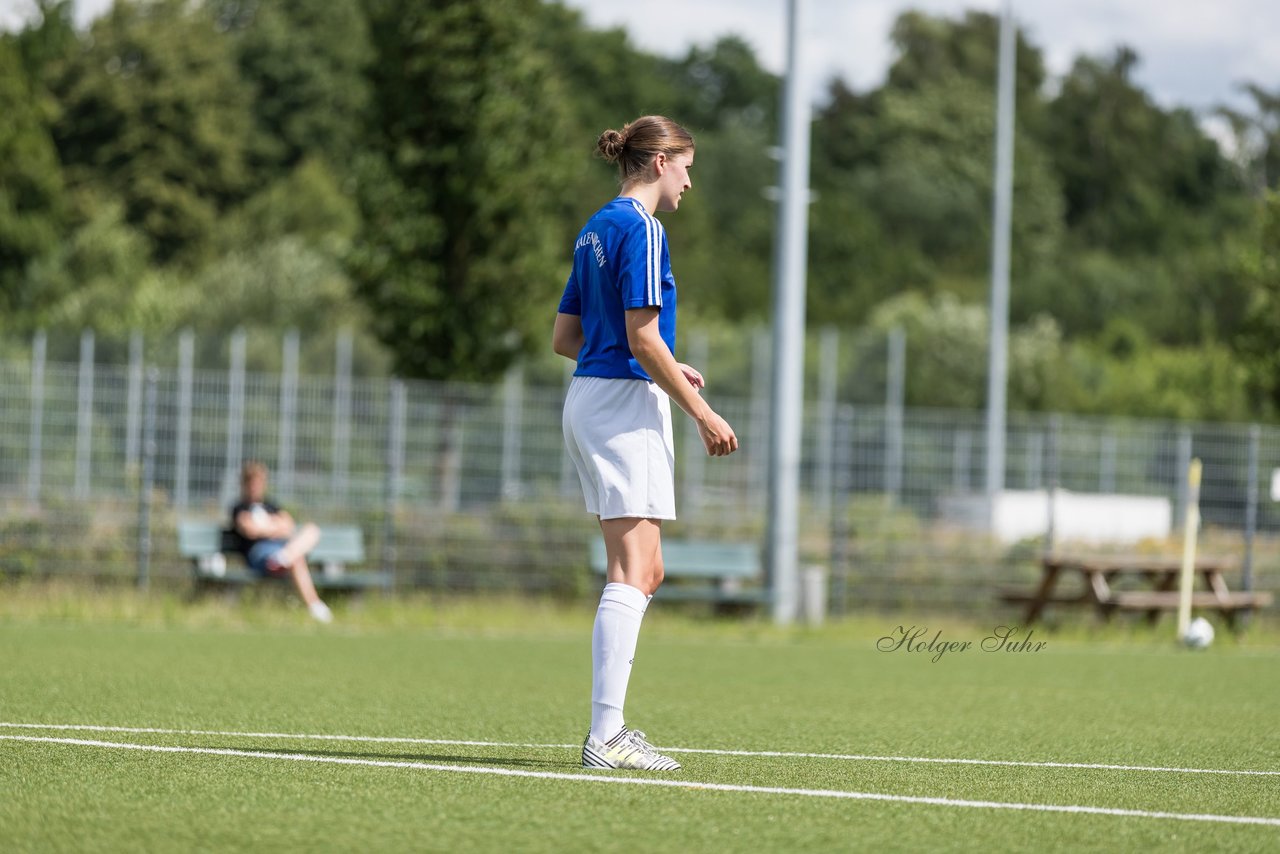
1103, 574
723, 567
208, 544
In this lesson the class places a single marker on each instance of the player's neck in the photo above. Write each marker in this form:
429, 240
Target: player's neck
645, 194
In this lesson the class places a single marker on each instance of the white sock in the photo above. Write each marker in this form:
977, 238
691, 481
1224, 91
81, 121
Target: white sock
320, 612
613, 647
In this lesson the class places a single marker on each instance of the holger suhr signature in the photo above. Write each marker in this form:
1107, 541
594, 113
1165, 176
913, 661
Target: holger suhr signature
917, 639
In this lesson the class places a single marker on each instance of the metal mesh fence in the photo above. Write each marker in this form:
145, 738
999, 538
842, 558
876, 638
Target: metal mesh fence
467, 487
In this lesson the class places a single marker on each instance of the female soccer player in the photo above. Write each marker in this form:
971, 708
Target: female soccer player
617, 320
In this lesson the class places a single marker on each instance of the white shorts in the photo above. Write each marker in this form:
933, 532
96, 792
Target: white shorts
619, 437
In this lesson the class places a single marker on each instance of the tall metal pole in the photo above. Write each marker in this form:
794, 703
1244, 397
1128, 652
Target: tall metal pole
997, 364
788, 334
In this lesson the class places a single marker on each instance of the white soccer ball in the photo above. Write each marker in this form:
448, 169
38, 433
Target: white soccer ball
1199, 634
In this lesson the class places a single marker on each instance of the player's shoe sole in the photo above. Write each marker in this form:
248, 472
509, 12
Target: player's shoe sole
627, 749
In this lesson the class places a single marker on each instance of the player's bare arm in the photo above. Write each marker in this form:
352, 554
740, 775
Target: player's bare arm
567, 336
654, 356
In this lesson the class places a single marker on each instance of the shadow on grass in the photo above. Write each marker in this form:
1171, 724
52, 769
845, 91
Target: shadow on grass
421, 757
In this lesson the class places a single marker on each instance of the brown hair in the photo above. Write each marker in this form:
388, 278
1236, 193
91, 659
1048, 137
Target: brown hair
251, 469
634, 147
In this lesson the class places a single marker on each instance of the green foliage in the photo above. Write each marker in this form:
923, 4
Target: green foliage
946, 357
415, 171
32, 198
266, 288
307, 202
908, 171
305, 60
468, 150
155, 114
95, 278
1258, 262
1104, 132
1204, 382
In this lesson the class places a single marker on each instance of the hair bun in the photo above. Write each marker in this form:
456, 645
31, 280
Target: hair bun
610, 145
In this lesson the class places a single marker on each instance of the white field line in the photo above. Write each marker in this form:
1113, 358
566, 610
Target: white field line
651, 781
775, 754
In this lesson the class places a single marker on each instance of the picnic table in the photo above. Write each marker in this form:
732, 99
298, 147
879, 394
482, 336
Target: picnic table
1108, 582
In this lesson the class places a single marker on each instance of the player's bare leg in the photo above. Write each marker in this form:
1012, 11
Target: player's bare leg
299, 545
634, 553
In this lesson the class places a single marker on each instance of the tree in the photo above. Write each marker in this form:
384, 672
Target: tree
33, 206
457, 258
305, 61
1132, 173
154, 113
1258, 264
904, 174
1256, 138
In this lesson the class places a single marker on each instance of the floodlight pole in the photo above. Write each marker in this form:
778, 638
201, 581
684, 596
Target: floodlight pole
997, 364
787, 395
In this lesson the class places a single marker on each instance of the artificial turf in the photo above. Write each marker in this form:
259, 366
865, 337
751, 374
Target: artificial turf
519, 683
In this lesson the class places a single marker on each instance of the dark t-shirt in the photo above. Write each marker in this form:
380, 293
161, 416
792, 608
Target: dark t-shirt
245, 543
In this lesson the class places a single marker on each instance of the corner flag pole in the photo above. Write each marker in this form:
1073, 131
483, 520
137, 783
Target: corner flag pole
1190, 528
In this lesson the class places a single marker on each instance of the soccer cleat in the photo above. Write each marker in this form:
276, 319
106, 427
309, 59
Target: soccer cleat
627, 749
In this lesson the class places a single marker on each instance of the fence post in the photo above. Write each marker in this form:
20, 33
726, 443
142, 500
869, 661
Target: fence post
761, 384
341, 415
395, 473
133, 405
895, 399
512, 418
182, 451
842, 484
1107, 464
84, 415
235, 416
39, 348
1035, 459
961, 461
1250, 510
147, 490
1055, 462
695, 458
824, 453
288, 413
1183, 468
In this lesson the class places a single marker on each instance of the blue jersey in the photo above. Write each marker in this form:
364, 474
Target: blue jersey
620, 261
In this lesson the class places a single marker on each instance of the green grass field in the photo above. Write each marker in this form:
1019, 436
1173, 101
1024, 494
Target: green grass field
517, 683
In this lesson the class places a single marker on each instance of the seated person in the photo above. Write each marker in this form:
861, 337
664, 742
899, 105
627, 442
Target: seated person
272, 543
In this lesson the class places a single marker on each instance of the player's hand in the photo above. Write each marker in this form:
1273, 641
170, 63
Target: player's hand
691, 374
717, 436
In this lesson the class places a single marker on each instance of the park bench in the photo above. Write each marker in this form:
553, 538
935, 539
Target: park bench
1101, 573
718, 571
208, 545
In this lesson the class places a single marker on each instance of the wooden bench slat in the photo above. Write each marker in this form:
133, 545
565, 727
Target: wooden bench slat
1024, 596
1142, 600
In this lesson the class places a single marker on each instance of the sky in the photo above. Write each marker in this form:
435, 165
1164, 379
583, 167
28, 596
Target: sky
1194, 53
